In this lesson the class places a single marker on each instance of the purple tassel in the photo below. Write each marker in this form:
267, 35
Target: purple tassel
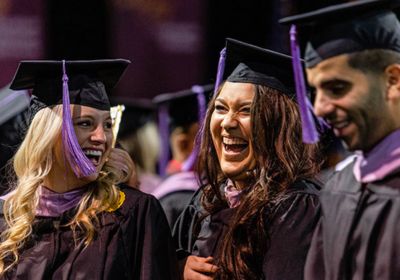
164, 134
310, 134
221, 69
188, 164
321, 121
79, 163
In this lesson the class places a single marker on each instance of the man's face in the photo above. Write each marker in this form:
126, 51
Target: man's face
352, 102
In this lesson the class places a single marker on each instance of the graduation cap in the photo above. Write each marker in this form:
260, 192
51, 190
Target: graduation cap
179, 109
88, 80
347, 28
137, 113
87, 85
245, 63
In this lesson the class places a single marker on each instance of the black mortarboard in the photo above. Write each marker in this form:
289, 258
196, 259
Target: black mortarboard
245, 63
136, 114
180, 109
89, 80
347, 28
251, 64
183, 106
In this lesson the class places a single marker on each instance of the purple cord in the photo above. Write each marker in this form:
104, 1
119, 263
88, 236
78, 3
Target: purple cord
221, 69
78, 161
310, 134
188, 164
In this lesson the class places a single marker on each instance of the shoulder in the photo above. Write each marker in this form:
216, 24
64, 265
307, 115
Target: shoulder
343, 180
137, 201
308, 187
302, 198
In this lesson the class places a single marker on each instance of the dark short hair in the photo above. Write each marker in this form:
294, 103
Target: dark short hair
373, 61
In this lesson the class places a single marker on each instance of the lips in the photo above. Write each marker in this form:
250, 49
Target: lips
94, 155
234, 147
339, 127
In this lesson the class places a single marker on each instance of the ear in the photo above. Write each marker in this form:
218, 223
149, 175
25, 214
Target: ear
392, 73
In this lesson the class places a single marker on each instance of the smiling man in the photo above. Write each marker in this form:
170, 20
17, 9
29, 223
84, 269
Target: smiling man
354, 65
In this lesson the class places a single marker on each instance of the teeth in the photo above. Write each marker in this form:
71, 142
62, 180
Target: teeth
233, 141
93, 153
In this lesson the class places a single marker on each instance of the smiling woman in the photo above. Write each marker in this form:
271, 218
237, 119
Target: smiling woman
256, 212
69, 216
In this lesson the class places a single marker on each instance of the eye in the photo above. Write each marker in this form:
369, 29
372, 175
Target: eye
246, 110
108, 125
84, 123
338, 88
219, 108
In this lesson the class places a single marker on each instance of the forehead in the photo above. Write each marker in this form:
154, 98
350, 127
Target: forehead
334, 68
86, 111
237, 92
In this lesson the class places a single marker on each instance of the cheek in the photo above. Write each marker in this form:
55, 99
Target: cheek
215, 130
109, 137
80, 135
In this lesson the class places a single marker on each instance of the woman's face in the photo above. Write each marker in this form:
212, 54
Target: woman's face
230, 127
93, 129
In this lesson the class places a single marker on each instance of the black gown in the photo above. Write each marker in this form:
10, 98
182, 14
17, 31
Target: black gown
359, 233
134, 242
291, 229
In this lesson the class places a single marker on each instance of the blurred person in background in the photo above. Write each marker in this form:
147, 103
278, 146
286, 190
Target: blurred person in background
138, 135
184, 112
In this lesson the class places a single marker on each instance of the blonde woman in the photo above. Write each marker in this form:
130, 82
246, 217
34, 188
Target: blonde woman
66, 217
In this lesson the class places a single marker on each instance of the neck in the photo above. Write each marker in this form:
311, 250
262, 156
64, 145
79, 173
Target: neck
63, 180
243, 180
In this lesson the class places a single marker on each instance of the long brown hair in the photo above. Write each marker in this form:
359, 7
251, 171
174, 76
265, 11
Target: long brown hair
282, 159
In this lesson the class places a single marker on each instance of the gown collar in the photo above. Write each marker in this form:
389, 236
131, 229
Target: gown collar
53, 204
381, 161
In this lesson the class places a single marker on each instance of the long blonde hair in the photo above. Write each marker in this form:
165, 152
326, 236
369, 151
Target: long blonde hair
32, 163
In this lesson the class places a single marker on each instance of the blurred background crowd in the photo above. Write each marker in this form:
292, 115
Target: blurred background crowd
172, 44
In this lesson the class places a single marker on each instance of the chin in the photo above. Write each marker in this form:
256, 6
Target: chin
234, 173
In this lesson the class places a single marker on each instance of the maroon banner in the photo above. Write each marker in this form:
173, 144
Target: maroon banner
164, 39
21, 33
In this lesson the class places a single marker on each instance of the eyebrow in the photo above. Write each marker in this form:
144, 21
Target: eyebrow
240, 104
330, 82
83, 117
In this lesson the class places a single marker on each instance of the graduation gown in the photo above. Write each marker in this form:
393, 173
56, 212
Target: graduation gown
290, 232
175, 192
358, 237
134, 242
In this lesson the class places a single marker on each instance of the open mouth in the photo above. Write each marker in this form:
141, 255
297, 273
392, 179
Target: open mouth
340, 127
234, 145
93, 155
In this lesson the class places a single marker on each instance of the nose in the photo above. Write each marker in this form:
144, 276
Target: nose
229, 121
99, 135
323, 106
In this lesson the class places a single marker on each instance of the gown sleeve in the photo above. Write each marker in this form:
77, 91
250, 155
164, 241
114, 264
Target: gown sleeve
152, 251
292, 227
184, 229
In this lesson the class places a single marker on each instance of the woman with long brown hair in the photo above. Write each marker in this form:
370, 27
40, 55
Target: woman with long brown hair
255, 214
